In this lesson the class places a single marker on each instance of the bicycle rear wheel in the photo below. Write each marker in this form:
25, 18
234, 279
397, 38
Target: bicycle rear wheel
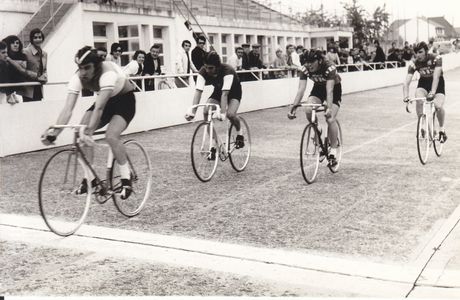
239, 157
437, 145
203, 164
141, 179
423, 139
335, 168
61, 208
309, 153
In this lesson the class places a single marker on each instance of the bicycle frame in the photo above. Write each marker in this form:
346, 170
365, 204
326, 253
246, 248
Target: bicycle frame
212, 108
429, 115
78, 131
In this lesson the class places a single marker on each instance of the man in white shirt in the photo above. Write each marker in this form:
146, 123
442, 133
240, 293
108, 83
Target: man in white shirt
184, 64
236, 60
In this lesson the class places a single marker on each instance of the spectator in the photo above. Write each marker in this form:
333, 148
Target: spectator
236, 60
363, 59
299, 49
332, 55
115, 53
255, 62
293, 59
379, 55
184, 64
36, 66
152, 66
408, 53
102, 52
279, 63
396, 56
392, 49
431, 48
17, 65
4, 73
245, 58
136, 67
199, 52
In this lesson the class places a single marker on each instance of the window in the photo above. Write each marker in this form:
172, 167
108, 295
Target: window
100, 35
129, 40
157, 33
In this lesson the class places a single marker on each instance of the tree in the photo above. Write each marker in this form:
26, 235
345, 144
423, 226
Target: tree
317, 17
379, 23
356, 16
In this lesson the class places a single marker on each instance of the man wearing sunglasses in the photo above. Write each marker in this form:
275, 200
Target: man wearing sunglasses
199, 52
430, 84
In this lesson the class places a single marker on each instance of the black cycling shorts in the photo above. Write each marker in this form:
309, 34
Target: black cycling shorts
426, 82
122, 105
235, 93
319, 91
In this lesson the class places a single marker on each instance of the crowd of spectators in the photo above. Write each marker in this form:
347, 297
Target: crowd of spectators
19, 64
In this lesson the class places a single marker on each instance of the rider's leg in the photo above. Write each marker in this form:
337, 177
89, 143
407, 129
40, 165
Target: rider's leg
440, 112
308, 110
419, 93
332, 127
233, 105
112, 136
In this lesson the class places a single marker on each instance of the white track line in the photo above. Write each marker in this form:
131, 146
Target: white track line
363, 277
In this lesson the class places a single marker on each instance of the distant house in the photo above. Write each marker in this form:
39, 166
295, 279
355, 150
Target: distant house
420, 29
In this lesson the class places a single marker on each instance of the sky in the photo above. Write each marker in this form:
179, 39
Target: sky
398, 9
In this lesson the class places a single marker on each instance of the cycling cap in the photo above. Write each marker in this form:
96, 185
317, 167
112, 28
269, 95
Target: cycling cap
87, 55
313, 55
212, 59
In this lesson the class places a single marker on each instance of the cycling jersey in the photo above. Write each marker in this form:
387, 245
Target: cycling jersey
426, 67
226, 80
112, 79
326, 71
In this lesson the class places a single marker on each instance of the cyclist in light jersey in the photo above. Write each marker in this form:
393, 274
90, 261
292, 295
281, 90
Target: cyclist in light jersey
115, 105
227, 93
327, 90
430, 85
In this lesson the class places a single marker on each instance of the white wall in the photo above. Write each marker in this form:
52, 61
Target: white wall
22, 124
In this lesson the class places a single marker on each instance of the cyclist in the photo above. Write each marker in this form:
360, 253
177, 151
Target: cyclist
430, 84
227, 93
327, 90
115, 105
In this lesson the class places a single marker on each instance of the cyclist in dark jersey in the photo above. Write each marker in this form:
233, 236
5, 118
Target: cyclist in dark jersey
227, 92
430, 85
115, 105
327, 90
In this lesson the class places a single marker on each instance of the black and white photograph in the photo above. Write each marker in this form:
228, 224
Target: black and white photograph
229, 148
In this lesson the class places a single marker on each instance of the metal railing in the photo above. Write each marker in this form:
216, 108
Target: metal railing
169, 80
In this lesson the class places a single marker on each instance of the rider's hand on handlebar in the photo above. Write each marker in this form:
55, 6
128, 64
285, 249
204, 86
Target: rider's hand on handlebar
189, 116
291, 113
87, 140
220, 116
430, 97
48, 137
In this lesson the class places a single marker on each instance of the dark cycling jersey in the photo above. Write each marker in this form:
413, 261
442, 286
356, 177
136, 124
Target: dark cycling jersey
326, 71
226, 80
426, 67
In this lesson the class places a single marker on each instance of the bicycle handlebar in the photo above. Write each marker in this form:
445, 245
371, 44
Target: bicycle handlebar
217, 106
413, 100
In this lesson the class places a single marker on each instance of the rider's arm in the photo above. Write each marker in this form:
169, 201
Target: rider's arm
330, 92
224, 102
199, 87
66, 112
406, 85
410, 74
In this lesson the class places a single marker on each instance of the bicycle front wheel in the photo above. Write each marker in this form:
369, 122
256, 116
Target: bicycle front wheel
239, 154
62, 209
309, 153
437, 145
204, 159
140, 169
423, 139
335, 168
